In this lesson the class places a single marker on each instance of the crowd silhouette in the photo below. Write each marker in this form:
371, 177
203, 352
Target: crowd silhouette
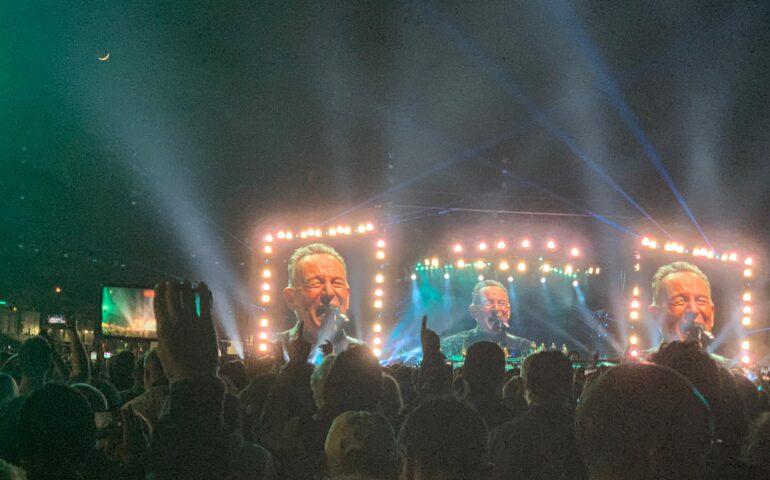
181, 411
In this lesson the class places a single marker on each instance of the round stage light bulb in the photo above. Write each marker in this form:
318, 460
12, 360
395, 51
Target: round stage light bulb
575, 252
361, 229
633, 339
377, 352
263, 336
262, 347
378, 292
635, 304
332, 232
379, 278
481, 278
377, 328
413, 276
634, 353
289, 235
380, 243
745, 359
645, 241
747, 297
634, 315
550, 245
522, 267
461, 264
546, 267
265, 298
264, 323
303, 234
446, 276
268, 238
434, 262
746, 321
501, 245
369, 227
745, 345
635, 292
747, 273
482, 246
380, 255
377, 341
281, 234
457, 248
266, 287
266, 273
510, 279
378, 303
747, 309
575, 283
749, 261
542, 279
268, 249
568, 269
526, 243
504, 265
480, 264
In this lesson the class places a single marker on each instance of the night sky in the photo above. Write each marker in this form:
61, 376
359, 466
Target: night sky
212, 118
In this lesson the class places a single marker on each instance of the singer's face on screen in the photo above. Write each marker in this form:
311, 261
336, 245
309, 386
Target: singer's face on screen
320, 280
491, 300
684, 299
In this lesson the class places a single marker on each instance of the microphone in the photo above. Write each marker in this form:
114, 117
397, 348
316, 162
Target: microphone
334, 314
698, 333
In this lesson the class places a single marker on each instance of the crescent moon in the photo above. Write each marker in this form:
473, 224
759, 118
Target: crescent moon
104, 58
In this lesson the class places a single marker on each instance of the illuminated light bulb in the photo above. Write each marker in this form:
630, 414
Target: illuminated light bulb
575, 283
380, 255
378, 292
281, 234
380, 243
710, 254
318, 232
268, 249
413, 276
266, 273
653, 244
377, 352
341, 229
361, 229
480, 264
747, 273
636, 267
635, 304
747, 297
262, 347
749, 261
482, 246
521, 267
303, 234
510, 279
526, 243
546, 267
504, 265
635, 291
379, 278
369, 227
265, 298
378, 303
591, 270
446, 276
575, 252
332, 232
680, 249
633, 339
634, 353
377, 328
426, 262
568, 269
542, 279
264, 323
723, 257
598, 270
501, 245
266, 287
645, 241
289, 235
746, 321
733, 257
746, 359
747, 309
457, 248
460, 263
745, 345
263, 336
348, 230
550, 245
434, 262
481, 278
268, 238
377, 341
634, 315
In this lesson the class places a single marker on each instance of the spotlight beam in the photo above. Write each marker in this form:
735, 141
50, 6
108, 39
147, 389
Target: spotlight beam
567, 17
487, 66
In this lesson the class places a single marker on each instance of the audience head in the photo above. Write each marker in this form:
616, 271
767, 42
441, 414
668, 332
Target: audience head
8, 387
109, 391
354, 381
95, 398
484, 368
121, 370
643, 422
443, 438
56, 431
35, 357
392, 402
547, 378
361, 444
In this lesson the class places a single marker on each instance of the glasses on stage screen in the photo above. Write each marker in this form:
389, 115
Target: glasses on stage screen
127, 312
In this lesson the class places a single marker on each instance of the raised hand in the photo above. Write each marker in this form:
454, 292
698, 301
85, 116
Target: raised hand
299, 348
187, 341
430, 341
